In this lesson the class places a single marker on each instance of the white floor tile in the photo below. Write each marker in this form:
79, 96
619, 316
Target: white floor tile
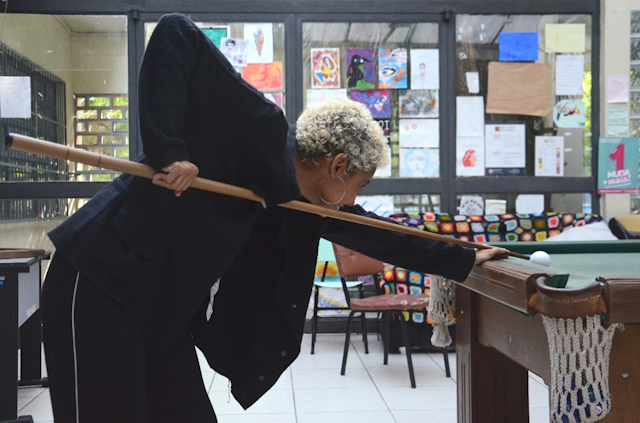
444, 415
539, 415
326, 361
399, 376
39, 408
378, 416
538, 395
331, 378
276, 401
257, 418
338, 399
420, 398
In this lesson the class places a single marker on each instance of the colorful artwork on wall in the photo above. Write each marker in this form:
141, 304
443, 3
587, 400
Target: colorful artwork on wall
264, 76
325, 68
377, 101
361, 68
392, 68
418, 103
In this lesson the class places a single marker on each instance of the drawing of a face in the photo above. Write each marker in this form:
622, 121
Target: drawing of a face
417, 163
399, 56
379, 104
386, 74
423, 69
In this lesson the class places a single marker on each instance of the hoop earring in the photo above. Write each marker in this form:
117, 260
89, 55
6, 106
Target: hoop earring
344, 192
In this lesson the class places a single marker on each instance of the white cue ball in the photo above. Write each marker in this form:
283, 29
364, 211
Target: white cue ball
541, 258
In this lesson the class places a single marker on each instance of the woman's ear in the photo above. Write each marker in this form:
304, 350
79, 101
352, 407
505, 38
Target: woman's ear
339, 162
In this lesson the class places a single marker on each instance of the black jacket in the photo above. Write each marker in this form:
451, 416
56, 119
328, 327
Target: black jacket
157, 255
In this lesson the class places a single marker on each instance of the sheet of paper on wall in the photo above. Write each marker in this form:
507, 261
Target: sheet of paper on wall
564, 38
492, 206
384, 171
518, 46
569, 74
319, 96
618, 165
425, 69
470, 156
382, 205
504, 145
473, 82
419, 162
617, 88
471, 205
549, 158
260, 37
15, 97
530, 203
519, 89
470, 116
617, 120
569, 114
325, 67
419, 133
235, 50
418, 103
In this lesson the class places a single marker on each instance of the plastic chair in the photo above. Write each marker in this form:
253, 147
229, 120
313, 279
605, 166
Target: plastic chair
326, 255
351, 264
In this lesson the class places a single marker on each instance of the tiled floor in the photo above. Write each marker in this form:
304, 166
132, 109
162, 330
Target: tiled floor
312, 390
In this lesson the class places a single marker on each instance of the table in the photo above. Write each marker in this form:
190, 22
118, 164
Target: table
500, 336
20, 281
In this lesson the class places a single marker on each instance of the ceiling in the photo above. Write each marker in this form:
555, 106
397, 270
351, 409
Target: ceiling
101, 24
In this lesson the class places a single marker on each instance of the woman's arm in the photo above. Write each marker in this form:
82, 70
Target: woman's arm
411, 252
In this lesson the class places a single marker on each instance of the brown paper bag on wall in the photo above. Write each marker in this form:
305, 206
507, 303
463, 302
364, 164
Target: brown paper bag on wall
519, 89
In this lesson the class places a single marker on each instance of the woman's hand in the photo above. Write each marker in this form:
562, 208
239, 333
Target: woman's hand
177, 177
483, 255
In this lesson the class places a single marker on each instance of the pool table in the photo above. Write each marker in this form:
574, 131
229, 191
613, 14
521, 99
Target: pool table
500, 335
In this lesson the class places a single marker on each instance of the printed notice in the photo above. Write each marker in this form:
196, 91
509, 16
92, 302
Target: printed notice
617, 120
569, 74
549, 156
15, 95
618, 165
505, 145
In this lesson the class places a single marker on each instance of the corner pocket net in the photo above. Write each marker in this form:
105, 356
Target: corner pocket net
579, 350
442, 310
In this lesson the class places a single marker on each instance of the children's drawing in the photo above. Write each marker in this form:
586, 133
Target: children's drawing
377, 101
325, 68
392, 68
361, 68
264, 76
419, 103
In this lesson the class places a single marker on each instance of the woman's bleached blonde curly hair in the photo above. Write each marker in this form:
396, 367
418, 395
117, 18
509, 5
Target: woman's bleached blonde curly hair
342, 126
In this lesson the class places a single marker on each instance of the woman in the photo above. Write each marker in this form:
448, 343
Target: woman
145, 270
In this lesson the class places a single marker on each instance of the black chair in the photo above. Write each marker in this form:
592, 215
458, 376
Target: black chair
353, 264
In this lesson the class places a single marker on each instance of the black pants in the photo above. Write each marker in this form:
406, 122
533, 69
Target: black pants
102, 369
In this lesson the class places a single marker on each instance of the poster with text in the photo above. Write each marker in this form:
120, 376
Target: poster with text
425, 69
418, 103
419, 133
549, 159
419, 163
264, 76
325, 67
377, 101
618, 165
260, 38
361, 68
392, 68
504, 146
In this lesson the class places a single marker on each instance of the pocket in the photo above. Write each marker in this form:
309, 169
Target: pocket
133, 252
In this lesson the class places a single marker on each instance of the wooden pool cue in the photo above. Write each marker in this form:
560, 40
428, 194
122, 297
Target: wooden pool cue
58, 151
